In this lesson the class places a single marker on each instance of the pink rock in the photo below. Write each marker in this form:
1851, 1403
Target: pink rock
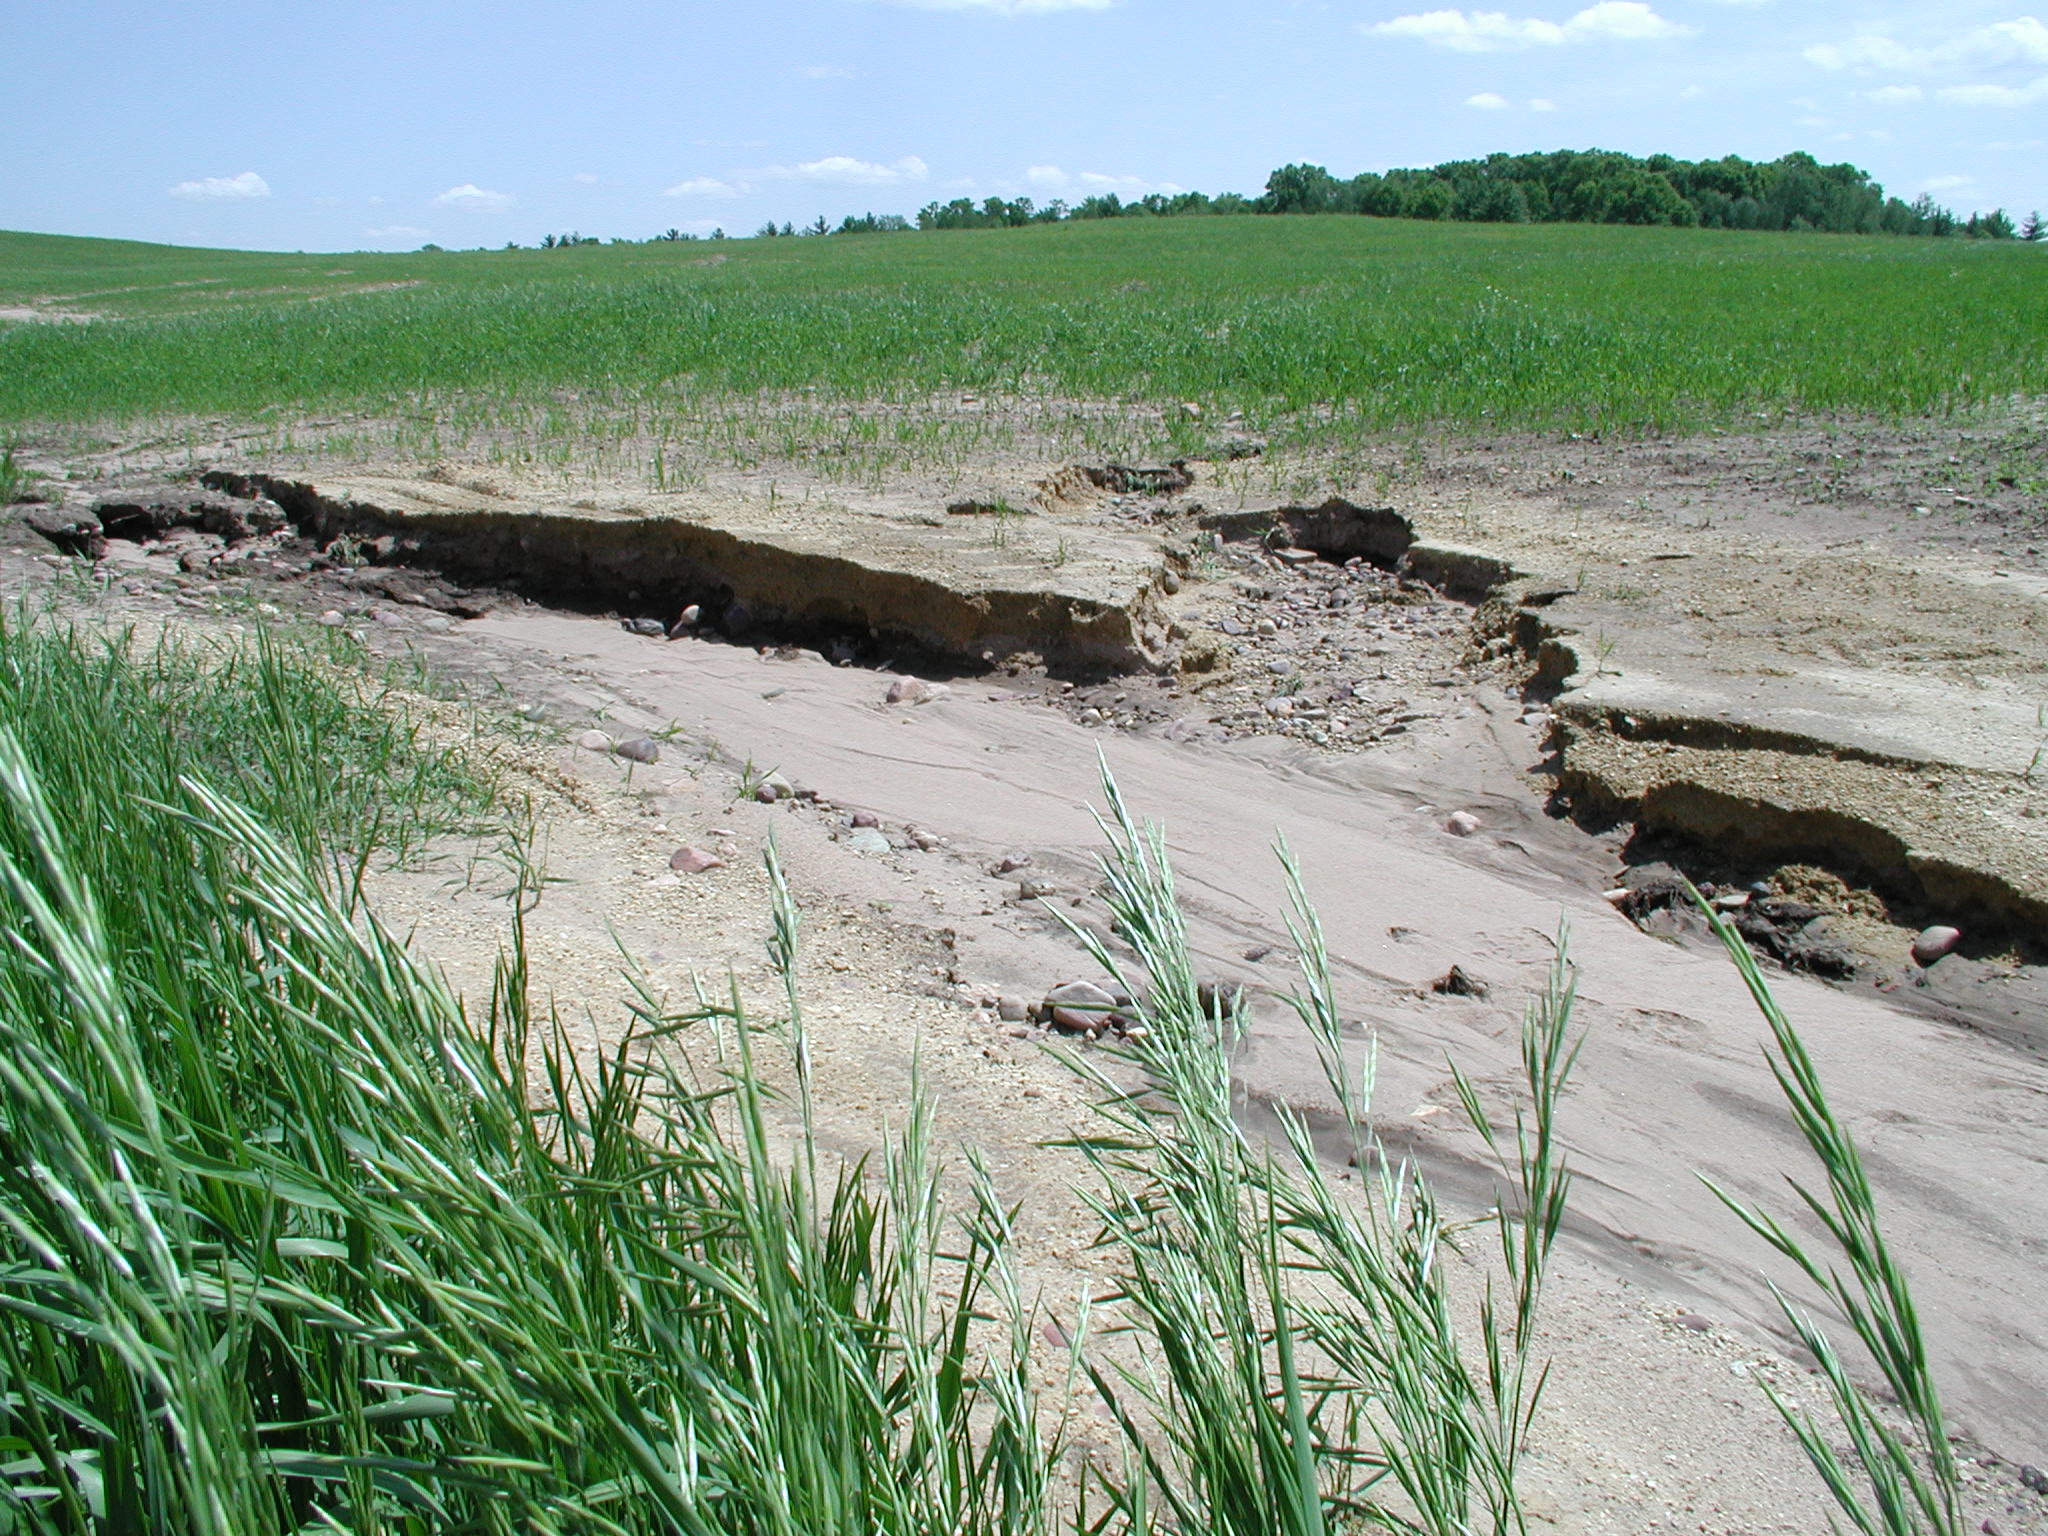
1935, 942
694, 861
1461, 824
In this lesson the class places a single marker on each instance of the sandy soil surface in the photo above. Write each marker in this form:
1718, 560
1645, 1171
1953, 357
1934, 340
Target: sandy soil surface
1659, 1320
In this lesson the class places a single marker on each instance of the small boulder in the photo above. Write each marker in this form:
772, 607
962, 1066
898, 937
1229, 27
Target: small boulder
654, 629
694, 861
594, 741
638, 749
1079, 1007
1012, 1010
1461, 824
1935, 942
864, 819
915, 690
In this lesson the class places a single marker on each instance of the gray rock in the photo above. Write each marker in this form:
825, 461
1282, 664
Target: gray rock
1032, 889
1011, 862
654, 629
594, 741
1012, 1010
868, 840
694, 861
639, 749
1267, 629
73, 533
1935, 942
1079, 1007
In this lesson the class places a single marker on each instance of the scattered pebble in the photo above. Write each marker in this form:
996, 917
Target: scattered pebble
1935, 942
594, 741
1693, 1322
1459, 982
1461, 824
694, 861
864, 819
1011, 862
915, 690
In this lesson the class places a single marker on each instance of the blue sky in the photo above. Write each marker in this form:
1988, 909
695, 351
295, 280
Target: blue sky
376, 124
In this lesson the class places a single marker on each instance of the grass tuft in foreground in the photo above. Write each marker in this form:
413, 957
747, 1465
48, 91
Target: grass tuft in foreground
1908, 1482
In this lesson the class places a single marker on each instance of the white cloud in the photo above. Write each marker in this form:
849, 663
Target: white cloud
1488, 101
1894, 95
1988, 95
396, 232
1692, 93
1049, 177
472, 198
703, 186
1947, 183
1542, 104
223, 189
1625, 21
1007, 7
845, 171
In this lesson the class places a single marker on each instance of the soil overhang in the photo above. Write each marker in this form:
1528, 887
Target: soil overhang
987, 578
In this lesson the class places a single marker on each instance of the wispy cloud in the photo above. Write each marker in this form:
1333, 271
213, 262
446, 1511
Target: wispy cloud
846, 171
1007, 7
2023, 40
471, 198
1609, 21
703, 186
223, 189
1488, 101
1542, 104
1990, 95
1894, 95
1052, 180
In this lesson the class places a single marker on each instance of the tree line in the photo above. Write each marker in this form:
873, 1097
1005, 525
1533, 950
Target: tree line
1566, 186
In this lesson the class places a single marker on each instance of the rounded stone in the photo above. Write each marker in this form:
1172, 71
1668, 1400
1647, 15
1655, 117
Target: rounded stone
1935, 942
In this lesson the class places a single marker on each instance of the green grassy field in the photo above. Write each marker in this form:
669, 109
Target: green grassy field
1383, 323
